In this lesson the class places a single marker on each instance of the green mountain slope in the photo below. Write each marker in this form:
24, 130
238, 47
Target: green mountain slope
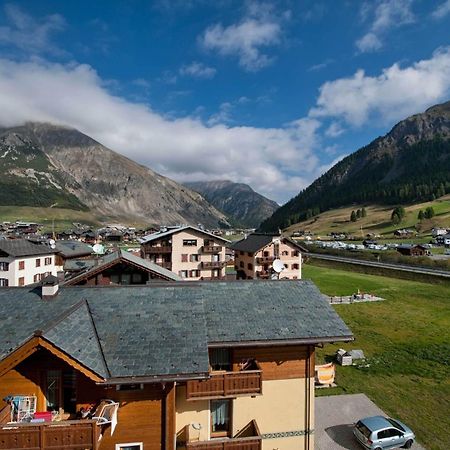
410, 164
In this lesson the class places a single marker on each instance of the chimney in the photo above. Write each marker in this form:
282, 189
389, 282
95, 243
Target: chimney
50, 287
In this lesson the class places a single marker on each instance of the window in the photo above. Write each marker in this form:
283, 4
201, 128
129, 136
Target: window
190, 242
184, 257
295, 267
250, 266
52, 393
3, 282
266, 254
38, 262
48, 261
21, 265
194, 258
284, 253
136, 278
383, 434
4, 266
21, 281
220, 418
220, 359
195, 273
250, 254
130, 387
183, 273
36, 278
130, 446
241, 263
294, 253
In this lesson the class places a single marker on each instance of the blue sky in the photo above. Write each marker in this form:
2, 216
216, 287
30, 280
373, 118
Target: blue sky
266, 93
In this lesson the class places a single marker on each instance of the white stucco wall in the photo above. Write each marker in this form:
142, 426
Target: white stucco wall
30, 270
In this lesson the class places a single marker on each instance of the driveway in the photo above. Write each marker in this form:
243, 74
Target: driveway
335, 416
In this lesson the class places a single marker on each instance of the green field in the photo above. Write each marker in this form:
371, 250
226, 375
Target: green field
406, 339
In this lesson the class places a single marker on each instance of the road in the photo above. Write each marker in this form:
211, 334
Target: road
360, 262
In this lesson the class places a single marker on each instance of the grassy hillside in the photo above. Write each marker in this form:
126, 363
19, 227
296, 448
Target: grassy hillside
377, 220
406, 340
61, 219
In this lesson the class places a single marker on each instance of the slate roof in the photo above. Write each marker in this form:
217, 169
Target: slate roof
73, 249
174, 230
253, 242
164, 330
120, 256
23, 247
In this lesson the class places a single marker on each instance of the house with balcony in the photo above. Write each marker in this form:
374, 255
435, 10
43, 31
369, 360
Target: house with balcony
120, 268
208, 366
254, 256
189, 252
24, 262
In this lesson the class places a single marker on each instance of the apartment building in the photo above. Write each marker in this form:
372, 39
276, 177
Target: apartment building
255, 254
189, 252
23, 262
190, 366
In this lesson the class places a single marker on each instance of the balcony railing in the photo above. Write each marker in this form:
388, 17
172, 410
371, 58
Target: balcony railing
213, 264
225, 385
264, 274
265, 259
158, 249
249, 438
71, 434
211, 249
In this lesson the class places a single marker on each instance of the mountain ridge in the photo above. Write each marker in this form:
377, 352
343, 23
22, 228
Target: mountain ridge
76, 171
410, 163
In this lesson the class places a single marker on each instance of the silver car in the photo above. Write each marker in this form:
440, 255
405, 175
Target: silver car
378, 433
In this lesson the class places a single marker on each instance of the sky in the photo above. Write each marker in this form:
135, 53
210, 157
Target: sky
268, 93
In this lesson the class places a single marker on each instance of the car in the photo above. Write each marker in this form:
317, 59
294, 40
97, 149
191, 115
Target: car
379, 433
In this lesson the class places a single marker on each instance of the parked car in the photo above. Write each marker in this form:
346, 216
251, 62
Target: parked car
378, 433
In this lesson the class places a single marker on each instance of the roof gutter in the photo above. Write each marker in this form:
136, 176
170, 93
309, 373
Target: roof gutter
273, 343
154, 379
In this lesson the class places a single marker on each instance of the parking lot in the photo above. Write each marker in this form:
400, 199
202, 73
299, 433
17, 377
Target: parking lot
335, 416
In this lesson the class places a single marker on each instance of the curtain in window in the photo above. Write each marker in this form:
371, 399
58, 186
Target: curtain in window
220, 414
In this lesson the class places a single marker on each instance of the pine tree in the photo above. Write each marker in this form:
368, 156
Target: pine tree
353, 216
363, 212
358, 214
429, 212
421, 215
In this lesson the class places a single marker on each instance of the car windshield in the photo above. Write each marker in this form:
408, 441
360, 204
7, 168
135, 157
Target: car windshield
396, 424
363, 429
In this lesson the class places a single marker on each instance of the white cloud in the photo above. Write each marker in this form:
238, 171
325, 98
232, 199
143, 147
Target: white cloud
393, 95
277, 162
442, 10
334, 130
246, 39
387, 14
198, 70
29, 34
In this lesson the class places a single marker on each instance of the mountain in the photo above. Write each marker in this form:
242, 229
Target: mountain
411, 163
46, 165
238, 201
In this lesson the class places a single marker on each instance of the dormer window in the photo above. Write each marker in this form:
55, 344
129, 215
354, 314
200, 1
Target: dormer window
220, 359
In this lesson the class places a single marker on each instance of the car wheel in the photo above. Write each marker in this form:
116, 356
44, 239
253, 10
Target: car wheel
408, 444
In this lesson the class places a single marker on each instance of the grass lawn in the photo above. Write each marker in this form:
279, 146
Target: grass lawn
407, 342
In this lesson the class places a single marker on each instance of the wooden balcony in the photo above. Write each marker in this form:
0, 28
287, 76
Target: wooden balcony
265, 259
157, 249
211, 249
263, 274
71, 434
249, 438
212, 264
225, 385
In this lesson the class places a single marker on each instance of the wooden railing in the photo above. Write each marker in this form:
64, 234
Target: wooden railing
212, 264
225, 384
265, 259
211, 249
158, 249
71, 434
248, 438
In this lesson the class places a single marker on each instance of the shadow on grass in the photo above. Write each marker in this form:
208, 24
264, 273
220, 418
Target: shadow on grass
343, 436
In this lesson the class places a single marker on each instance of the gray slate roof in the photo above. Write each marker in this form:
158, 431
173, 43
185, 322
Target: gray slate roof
164, 330
253, 242
174, 230
23, 247
73, 249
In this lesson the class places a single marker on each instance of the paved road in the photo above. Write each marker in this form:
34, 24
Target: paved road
335, 416
360, 262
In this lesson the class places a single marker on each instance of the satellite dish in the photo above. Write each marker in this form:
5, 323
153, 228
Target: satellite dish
52, 242
98, 249
278, 265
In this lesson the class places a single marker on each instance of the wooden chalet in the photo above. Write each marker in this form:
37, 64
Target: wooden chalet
412, 250
121, 268
172, 366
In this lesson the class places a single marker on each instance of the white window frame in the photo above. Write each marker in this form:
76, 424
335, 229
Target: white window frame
130, 444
